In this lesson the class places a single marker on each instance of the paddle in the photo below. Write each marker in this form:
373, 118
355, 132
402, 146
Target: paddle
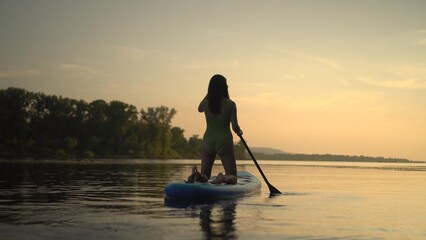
272, 189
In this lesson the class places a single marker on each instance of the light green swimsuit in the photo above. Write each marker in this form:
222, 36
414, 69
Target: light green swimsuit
218, 132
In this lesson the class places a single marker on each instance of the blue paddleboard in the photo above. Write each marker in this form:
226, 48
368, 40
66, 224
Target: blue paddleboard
247, 183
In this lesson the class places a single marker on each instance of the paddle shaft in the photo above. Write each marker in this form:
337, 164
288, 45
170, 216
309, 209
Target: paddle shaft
272, 189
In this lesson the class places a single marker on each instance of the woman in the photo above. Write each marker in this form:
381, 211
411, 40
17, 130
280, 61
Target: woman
220, 112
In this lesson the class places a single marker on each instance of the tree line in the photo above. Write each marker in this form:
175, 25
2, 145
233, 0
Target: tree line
47, 126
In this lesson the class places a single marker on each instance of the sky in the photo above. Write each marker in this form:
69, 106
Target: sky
336, 77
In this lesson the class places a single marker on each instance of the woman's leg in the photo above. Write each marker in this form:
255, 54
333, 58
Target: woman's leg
229, 163
207, 159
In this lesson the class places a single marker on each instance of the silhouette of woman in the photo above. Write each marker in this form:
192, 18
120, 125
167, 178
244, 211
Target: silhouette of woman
220, 111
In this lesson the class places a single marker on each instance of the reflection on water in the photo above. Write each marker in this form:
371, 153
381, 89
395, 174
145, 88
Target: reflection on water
216, 219
35, 192
125, 200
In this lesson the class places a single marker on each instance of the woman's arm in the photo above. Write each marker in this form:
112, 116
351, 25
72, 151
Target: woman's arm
202, 104
234, 120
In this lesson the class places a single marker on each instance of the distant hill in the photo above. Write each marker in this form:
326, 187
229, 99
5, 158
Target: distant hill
267, 153
267, 150
321, 157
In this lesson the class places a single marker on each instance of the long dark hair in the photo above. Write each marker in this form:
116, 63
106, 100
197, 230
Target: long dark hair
218, 89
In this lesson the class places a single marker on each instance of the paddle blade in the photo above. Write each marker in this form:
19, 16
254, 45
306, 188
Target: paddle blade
273, 190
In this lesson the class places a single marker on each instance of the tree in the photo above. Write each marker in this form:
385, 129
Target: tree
95, 126
120, 117
179, 143
194, 146
14, 118
35, 124
156, 123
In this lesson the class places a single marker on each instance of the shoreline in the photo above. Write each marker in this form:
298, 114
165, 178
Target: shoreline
128, 159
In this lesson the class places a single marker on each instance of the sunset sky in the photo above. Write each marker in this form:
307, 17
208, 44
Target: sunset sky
338, 77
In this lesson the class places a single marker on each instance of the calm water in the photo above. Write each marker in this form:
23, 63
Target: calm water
109, 200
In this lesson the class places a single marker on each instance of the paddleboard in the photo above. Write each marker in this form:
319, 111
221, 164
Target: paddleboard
247, 184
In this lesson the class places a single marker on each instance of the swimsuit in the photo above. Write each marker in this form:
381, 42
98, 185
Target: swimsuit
218, 133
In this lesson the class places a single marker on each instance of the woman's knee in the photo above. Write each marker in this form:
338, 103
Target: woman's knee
231, 179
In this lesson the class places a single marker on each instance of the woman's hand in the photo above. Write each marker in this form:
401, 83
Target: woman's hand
239, 132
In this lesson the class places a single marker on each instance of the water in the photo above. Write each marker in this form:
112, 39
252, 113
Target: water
124, 200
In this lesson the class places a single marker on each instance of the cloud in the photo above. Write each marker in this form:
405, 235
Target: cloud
231, 63
336, 103
79, 69
260, 98
420, 37
315, 59
141, 54
151, 56
293, 76
398, 84
405, 76
346, 83
20, 73
132, 52
421, 42
213, 33
420, 31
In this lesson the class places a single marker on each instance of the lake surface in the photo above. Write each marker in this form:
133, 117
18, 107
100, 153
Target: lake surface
124, 199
